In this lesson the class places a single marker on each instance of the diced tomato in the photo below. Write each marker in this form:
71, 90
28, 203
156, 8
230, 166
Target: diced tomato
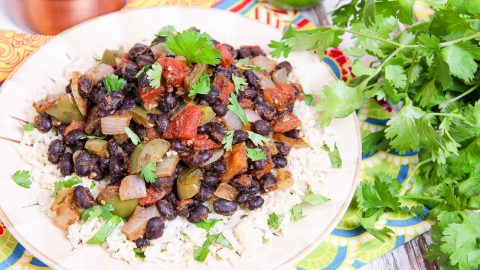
149, 93
152, 196
202, 142
281, 96
237, 162
227, 57
287, 121
73, 126
246, 103
185, 124
224, 86
174, 70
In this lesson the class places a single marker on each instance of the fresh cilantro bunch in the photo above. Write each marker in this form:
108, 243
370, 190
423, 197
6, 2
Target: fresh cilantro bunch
429, 70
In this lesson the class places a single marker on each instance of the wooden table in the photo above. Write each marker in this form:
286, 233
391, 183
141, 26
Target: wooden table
410, 256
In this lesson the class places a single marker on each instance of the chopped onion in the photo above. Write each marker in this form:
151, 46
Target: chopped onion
98, 72
159, 50
217, 154
225, 191
137, 223
264, 62
167, 166
92, 120
79, 100
265, 80
232, 120
132, 187
252, 116
280, 76
115, 124
284, 179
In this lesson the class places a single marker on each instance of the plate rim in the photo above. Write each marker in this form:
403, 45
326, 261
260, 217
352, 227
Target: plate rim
290, 262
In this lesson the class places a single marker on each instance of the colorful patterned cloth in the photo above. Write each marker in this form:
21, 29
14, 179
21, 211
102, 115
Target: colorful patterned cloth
349, 246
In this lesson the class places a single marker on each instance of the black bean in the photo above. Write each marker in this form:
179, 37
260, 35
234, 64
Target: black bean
259, 164
227, 72
239, 136
161, 122
279, 161
171, 198
166, 209
104, 165
179, 147
128, 71
168, 102
204, 194
219, 108
250, 93
253, 79
43, 122
144, 60
143, 80
256, 51
200, 157
242, 182
244, 52
294, 133
119, 160
262, 127
269, 182
243, 198
255, 202
282, 148
109, 104
216, 131
164, 183
55, 151
139, 49
224, 207
255, 188
211, 179
154, 228
198, 213
85, 163
265, 111
212, 96
158, 39
83, 197
74, 137
66, 164
219, 166
142, 242
61, 128
202, 129
286, 65
140, 130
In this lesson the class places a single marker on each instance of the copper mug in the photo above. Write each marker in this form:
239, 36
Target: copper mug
51, 17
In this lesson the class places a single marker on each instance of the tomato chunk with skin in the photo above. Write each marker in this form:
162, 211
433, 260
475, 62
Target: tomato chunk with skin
149, 93
174, 70
227, 57
224, 86
152, 196
237, 162
185, 124
246, 103
202, 142
281, 96
287, 122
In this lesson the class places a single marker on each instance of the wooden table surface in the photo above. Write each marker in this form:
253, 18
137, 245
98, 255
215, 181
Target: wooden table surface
410, 256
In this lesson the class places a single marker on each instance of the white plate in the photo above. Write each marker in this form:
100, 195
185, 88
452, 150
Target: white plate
45, 69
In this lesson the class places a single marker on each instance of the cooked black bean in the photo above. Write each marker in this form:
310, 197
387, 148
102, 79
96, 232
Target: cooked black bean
262, 127
154, 228
98, 92
282, 148
219, 166
243, 198
128, 147
74, 137
161, 122
55, 151
171, 198
211, 179
202, 129
294, 133
66, 164
242, 182
265, 111
252, 79
144, 60
224, 207
43, 122
139, 49
249, 93
119, 160
142, 242
239, 136
166, 209
198, 213
200, 157
158, 39
168, 102
143, 80
164, 183
204, 194
279, 161
140, 130
85, 85
109, 104
286, 65
128, 71
255, 188
183, 207
83, 197
104, 165
216, 131
256, 51
269, 182
179, 147
255, 202
244, 52
61, 128
86, 164
227, 72
259, 164
219, 108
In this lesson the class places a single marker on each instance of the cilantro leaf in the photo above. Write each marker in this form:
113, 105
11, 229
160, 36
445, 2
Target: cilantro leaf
334, 155
113, 83
371, 142
239, 83
90, 137
308, 99
29, 127
194, 46
274, 221
396, 75
244, 64
257, 139
228, 140
296, 212
279, 49
133, 137
221, 240
103, 211
140, 72
154, 75
200, 253
461, 61
202, 86
59, 185
166, 31
237, 109
256, 154
313, 199
139, 253
207, 224
149, 172
22, 178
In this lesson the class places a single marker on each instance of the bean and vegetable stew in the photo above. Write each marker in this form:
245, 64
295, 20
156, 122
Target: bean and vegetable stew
175, 127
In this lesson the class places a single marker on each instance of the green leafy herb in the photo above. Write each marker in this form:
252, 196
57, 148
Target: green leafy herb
244, 64
239, 83
59, 185
22, 178
308, 99
228, 140
141, 71
313, 199
195, 47
296, 212
202, 86
265, 239
90, 137
207, 224
113, 83
154, 75
220, 239
166, 31
139, 253
92, 185
256, 154
200, 253
103, 211
101, 236
133, 137
274, 221
149, 172
257, 139
237, 109
29, 127
334, 155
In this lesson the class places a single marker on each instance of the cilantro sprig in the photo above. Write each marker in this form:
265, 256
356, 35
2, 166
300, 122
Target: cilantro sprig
256, 154
22, 178
154, 75
148, 172
245, 65
235, 107
202, 86
195, 47
113, 83
239, 83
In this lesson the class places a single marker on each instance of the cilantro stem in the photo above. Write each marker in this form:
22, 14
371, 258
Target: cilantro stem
461, 117
461, 95
385, 61
465, 38
353, 32
410, 176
